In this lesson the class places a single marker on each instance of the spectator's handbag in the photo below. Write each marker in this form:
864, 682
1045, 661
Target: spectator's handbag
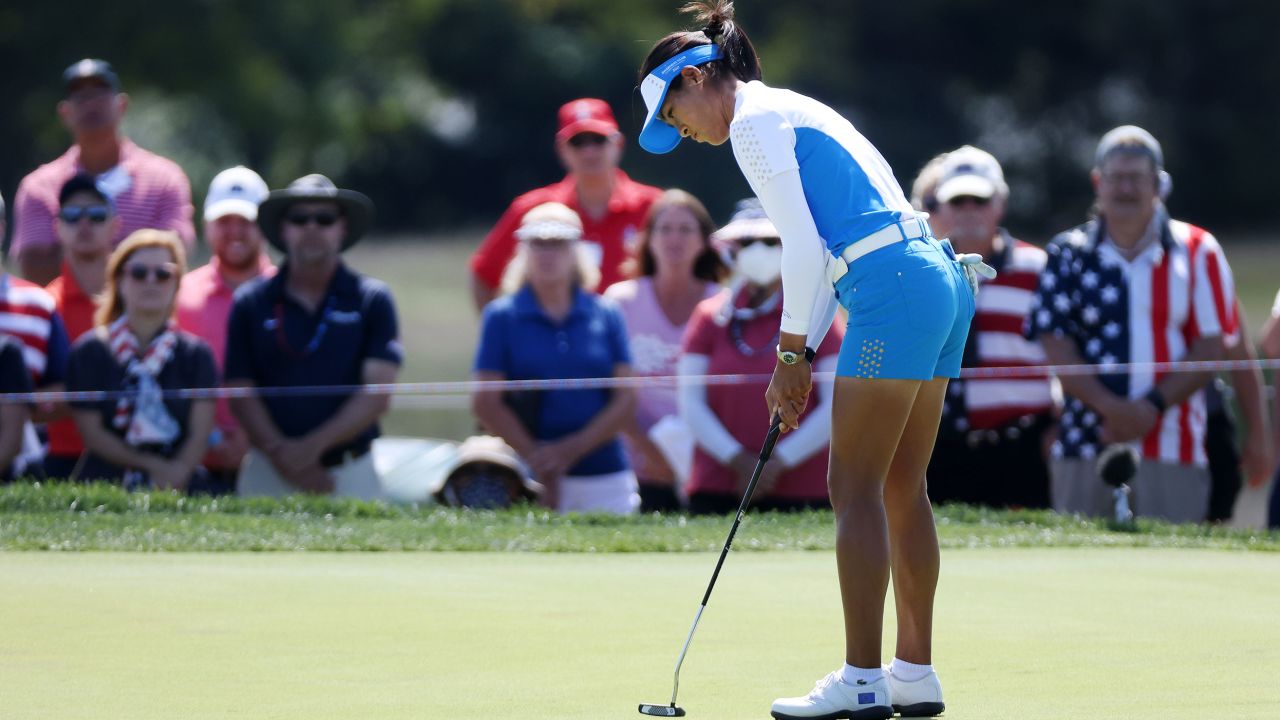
526, 404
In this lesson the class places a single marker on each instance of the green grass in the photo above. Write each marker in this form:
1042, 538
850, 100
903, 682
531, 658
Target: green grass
1021, 634
100, 517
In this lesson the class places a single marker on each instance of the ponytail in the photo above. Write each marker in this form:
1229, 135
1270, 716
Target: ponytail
738, 55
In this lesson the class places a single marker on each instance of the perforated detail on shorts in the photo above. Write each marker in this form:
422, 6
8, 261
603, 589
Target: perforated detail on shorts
870, 358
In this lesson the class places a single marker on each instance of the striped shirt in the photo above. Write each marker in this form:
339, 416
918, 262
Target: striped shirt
29, 315
148, 191
996, 340
1150, 309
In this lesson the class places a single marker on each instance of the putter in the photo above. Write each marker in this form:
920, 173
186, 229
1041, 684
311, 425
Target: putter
674, 710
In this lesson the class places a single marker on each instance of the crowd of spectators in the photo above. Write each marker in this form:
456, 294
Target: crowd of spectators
596, 276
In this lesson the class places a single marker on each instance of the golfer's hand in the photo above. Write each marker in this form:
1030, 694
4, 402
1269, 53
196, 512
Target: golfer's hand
788, 393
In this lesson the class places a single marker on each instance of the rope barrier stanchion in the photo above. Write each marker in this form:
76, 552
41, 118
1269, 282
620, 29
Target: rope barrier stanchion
458, 391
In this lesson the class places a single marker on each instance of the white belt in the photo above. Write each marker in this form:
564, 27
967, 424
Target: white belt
916, 227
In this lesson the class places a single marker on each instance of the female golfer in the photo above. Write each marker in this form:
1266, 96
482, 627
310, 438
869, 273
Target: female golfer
842, 218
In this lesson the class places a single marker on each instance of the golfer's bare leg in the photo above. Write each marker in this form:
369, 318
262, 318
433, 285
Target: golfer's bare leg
868, 420
913, 538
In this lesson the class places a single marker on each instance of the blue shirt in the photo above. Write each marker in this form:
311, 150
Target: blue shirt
849, 188
273, 341
519, 340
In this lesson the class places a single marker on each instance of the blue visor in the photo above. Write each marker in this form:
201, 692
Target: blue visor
657, 136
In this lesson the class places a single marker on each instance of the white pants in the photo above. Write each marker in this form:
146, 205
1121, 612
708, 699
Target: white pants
354, 478
617, 493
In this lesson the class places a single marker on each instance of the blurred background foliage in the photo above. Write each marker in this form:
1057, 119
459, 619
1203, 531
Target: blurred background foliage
443, 110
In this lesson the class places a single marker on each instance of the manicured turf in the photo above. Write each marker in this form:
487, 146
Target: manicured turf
1022, 633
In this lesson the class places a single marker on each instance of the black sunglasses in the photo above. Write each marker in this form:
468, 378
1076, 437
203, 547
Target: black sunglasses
141, 272
747, 242
966, 199
97, 214
323, 219
585, 139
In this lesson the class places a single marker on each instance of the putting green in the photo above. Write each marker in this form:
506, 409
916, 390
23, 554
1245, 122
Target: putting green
1025, 634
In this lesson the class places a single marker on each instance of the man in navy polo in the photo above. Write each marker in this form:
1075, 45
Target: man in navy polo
315, 323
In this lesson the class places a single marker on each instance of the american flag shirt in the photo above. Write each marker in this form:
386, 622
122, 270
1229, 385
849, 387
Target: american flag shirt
1148, 309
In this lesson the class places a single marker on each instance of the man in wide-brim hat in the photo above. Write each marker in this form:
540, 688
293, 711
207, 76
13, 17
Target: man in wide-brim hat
317, 322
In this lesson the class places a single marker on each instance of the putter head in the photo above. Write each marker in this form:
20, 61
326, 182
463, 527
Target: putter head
671, 710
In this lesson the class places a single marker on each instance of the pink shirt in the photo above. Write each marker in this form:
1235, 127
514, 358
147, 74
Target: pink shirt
740, 408
655, 347
155, 194
203, 307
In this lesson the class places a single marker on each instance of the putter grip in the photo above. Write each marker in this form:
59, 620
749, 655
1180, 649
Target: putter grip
774, 429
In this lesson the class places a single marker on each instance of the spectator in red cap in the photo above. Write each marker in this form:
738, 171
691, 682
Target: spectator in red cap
612, 206
148, 191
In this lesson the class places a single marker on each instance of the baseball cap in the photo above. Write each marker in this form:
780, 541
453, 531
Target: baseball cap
1129, 135
90, 68
970, 172
657, 136
585, 115
235, 191
80, 182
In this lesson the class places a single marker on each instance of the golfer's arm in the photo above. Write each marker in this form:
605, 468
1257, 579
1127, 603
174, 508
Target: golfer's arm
815, 432
497, 417
1177, 387
613, 417
1061, 350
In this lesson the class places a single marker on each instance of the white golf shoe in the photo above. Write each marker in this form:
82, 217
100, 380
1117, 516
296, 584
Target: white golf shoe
920, 698
833, 699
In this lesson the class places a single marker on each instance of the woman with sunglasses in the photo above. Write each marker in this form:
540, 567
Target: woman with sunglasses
843, 220
139, 436
735, 333
550, 326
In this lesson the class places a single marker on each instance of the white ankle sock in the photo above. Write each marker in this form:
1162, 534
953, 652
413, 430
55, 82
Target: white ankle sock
851, 675
909, 672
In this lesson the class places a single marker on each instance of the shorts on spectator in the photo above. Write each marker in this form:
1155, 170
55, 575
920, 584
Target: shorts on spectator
616, 493
1177, 493
354, 478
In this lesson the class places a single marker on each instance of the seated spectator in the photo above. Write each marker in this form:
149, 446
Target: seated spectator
735, 333
677, 269
316, 322
204, 300
992, 446
30, 316
610, 205
142, 439
85, 224
550, 325
486, 474
14, 416
1271, 349
149, 191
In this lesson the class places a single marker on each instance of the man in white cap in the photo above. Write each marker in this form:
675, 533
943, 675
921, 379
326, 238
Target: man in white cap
204, 300
1133, 286
989, 449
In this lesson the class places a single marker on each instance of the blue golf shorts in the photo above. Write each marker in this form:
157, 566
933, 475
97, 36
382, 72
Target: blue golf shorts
909, 313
